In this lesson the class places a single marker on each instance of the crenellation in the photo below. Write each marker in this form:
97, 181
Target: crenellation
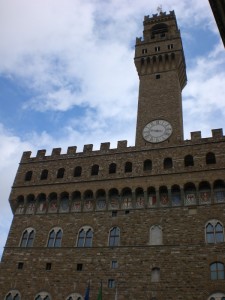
104, 147
88, 148
56, 152
121, 145
71, 151
26, 156
196, 136
41, 153
217, 133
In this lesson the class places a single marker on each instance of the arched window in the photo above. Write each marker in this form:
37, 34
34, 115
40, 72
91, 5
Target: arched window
20, 205
217, 296
210, 158
159, 29
64, 202
168, 163
43, 296
112, 168
42, 203
176, 195
155, 275
60, 173
44, 174
214, 232
140, 198
126, 198
27, 238
114, 237
147, 165
74, 296
55, 237
13, 295
156, 235
114, 199
53, 204
190, 193
151, 196
219, 191
128, 167
95, 170
77, 171
217, 271
28, 176
85, 237
188, 161
76, 201
163, 195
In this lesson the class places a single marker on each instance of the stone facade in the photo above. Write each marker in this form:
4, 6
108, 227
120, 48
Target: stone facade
146, 220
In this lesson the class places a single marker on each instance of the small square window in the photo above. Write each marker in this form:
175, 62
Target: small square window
127, 212
20, 266
157, 49
79, 267
111, 283
144, 51
114, 213
48, 266
157, 76
114, 264
170, 46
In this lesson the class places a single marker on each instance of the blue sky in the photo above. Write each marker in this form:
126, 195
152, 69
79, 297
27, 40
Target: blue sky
67, 76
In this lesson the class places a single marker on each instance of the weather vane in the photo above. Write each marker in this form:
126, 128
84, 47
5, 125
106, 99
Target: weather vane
159, 8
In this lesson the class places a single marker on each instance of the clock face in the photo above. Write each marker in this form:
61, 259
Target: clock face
157, 131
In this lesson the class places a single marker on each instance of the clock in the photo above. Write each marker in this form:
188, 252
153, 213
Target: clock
157, 131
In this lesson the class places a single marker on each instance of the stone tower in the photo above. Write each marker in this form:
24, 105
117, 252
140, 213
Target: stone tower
146, 221
160, 64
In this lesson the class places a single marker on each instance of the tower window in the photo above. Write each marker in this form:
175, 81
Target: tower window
20, 266
55, 238
147, 165
79, 267
60, 173
157, 76
114, 264
170, 46
48, 266
210, 158
114, 237
112, 168
217, 271
85, 237
168, 163
157, 49
144, 51
77, 171
128, 167
44, 174
188, 161
28, 176
95, 170
27, 238
111, 283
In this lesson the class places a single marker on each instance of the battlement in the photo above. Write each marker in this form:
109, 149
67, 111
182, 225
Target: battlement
196, 138
161, 16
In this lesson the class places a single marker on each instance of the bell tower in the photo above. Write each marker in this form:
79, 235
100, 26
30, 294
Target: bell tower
160, 64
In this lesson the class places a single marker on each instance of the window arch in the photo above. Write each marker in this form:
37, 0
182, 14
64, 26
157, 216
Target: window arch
155, 275
64, 202
85, 237
55, 237
44, 174
27, 237
28, 176
156, 235
151, 196
214, 232
190, 193
43, 296
163, 195
114, 198
217, 271
140, 198
112, 168
30, 204
77, 171
76, 201
42, 203
13, 295
219, 191
114, 237
60, 173
210, 158
128, 167
217, 296
168, 163
74, 296
20, 204
188, 161
53, 203
147, 165
95, 170
176, 195
159, 29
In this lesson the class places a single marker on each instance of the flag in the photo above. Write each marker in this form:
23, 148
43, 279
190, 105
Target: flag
86, 297
100, 292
